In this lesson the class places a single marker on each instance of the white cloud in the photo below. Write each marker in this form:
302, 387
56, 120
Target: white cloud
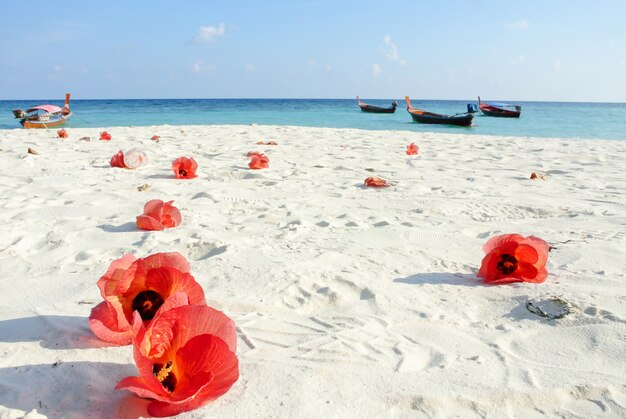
250, 68
58, 68
206, 34
376, 70
199, 67
328, 67
520, 24
391, 51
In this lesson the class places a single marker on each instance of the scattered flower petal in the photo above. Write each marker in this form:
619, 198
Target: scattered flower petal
158, 215
118, 160
105, 136
377, 182
258, 160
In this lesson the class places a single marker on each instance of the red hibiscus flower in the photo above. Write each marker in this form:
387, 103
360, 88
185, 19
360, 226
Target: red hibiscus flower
514, 258
142, 285
158, 215
118, 160
155, 138
376, 182
105, 136
258, 160
184, 168
185, 357
62, 133
412, 149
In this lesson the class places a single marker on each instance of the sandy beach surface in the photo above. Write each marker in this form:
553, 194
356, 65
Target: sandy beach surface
350, 302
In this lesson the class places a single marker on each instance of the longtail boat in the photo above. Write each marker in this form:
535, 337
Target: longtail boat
503, 110
44, 116
376, 109
423, 117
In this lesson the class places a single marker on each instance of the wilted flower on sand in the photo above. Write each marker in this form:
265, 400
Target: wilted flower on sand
514, 258
141, 285
376, 182
258, 160
412, 149
158, 215
62, 133
184, 168
185, 357
118, 160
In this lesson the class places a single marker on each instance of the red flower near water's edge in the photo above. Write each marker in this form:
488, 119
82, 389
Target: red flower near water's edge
105, 136
155, 138
158, 215
185, 168
62, 133
376, 182
118, 160
514, 258
258, 160
412, 149
185, 357
141, 285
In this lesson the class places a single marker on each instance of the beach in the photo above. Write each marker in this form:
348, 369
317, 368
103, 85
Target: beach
349, 302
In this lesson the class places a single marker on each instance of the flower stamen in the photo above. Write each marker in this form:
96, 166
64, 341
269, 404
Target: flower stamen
147, 303
164, 375
507, 264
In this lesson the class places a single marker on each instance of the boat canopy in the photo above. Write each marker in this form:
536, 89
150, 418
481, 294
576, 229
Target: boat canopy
499, 104
47, 108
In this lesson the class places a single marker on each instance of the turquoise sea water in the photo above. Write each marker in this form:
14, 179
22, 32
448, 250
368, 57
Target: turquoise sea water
539, 119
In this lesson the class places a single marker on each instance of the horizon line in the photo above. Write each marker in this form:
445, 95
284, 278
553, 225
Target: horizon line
309, 98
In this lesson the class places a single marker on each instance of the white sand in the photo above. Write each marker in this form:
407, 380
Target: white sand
349, 302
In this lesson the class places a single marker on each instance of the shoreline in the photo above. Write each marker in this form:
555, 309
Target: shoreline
348, 301
99, 129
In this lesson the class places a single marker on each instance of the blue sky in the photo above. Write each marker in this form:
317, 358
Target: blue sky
501, 50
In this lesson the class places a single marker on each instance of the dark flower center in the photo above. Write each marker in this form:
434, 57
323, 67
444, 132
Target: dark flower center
163, 373
147, 303
507, 264
182, 172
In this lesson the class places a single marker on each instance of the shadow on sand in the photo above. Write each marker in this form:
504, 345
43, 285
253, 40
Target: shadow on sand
443, 278
71, 390
52, 332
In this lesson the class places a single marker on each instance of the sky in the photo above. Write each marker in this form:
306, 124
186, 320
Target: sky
529, 50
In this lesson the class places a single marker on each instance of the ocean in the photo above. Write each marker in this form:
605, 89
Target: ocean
539, 119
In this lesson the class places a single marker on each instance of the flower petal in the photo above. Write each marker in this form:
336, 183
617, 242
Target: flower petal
542, 248
146, 222
488, 267
169, 259
103, 321
499, 241
152, 206
526, 253
210, 370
